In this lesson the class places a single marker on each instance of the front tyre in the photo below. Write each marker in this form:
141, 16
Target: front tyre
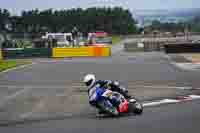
136, 108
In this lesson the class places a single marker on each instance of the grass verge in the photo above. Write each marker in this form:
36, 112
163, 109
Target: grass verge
8, 64
134, 50
116, 39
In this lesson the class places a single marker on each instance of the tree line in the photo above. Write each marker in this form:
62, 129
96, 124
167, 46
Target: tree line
167, 26
194, 24
112, 20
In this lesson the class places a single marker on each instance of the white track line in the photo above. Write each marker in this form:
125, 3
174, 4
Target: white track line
164, 101
38, 106
25, 115
170, 101
187, 66
194, 96
36, 110
14, 95
168, 87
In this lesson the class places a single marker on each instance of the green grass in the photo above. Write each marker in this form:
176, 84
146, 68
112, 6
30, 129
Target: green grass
134, 50
116, 39
7, 64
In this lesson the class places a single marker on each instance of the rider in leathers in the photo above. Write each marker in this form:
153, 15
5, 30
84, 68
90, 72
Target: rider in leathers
91, 82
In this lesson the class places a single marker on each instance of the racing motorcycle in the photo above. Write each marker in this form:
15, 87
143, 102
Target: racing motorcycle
114, 104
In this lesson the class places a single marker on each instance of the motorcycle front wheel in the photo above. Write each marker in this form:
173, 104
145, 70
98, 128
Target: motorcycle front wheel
136, 108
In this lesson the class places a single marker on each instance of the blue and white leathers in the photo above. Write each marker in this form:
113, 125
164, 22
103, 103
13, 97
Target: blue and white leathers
97, 94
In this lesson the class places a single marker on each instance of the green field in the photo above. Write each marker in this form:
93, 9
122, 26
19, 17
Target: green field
116, 39
7, 64
134, 49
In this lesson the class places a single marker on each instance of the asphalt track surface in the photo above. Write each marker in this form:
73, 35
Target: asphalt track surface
49, 86
177, 118
147, 68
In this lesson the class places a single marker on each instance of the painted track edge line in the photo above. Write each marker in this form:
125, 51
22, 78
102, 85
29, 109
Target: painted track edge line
171, 101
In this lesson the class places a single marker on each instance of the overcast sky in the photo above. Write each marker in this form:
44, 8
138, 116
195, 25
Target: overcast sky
16, 6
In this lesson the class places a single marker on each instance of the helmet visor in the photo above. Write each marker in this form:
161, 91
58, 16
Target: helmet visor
88, 83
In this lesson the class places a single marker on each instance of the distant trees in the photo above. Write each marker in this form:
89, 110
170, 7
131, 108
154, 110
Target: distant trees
192, 25
195, 24
112, 20
4, 17
167, 27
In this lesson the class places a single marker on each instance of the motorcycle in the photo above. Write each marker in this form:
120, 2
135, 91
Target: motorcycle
115, 104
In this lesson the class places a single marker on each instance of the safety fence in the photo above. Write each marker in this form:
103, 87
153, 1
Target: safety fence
103, 51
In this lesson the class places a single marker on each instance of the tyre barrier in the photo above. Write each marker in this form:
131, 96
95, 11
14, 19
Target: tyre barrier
182, 48
27, 52
82, 52
91, 51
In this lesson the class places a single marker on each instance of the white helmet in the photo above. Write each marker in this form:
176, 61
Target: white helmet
89, 80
